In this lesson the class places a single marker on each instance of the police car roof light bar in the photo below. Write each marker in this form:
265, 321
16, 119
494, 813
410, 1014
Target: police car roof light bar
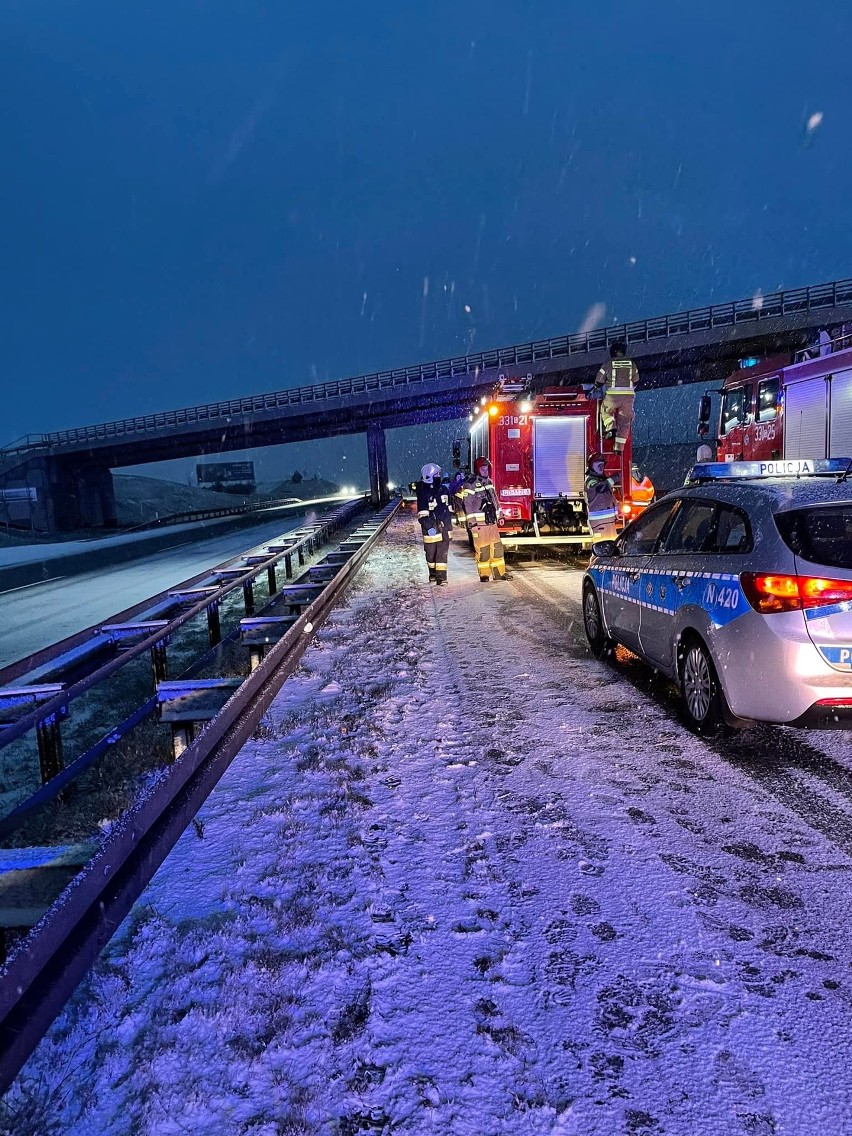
779, 467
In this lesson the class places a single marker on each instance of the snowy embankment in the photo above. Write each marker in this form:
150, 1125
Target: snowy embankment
468, 881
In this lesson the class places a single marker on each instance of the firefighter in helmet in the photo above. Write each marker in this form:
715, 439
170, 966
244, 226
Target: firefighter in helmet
433, 513
617, 381
600, 499
482, 511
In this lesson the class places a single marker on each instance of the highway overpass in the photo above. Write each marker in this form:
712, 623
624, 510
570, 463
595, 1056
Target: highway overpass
68, 472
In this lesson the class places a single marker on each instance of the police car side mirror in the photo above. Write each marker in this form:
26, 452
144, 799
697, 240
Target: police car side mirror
604, 549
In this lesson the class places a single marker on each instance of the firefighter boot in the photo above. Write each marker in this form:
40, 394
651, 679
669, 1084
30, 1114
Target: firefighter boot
440, 578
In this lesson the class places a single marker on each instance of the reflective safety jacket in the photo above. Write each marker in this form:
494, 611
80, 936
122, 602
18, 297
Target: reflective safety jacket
617, 376
433, 510
599, 494
642, 492
479, 498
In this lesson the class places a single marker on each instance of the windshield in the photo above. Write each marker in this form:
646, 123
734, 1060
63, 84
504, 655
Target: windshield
733, 408
821, 534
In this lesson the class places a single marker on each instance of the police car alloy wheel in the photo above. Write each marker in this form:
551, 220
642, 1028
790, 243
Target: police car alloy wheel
702, 695
599, 641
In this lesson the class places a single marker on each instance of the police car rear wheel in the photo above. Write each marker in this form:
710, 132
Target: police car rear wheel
702, 695
599, 641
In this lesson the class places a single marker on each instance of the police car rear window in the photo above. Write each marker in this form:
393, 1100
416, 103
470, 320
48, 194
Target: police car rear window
822, 535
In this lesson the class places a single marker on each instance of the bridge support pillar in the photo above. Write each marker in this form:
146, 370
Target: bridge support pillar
83, 497
377, 463
51, 495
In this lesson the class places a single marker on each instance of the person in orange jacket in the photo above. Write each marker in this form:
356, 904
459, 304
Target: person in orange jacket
641, 489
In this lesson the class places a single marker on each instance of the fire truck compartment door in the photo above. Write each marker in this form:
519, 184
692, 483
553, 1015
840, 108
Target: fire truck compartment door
841, 415
805, 419
559, 455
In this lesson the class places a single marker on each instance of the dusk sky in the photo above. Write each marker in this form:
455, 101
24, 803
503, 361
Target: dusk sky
203, 200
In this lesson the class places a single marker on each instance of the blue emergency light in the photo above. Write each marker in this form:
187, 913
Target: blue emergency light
777, 467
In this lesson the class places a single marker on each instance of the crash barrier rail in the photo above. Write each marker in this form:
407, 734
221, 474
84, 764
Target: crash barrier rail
103, 884
229, 511
42, 706
750, 311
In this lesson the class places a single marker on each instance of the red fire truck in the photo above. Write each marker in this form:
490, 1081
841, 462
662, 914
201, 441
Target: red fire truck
538, 444
787, 407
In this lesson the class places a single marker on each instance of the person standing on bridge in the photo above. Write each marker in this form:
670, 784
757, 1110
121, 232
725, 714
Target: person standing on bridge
433, 513
482, 513
617, 380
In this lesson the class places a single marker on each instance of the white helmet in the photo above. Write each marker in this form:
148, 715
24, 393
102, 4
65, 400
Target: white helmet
430, 471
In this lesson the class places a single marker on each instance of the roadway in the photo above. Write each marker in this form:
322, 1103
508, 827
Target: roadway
483, 883
37, 615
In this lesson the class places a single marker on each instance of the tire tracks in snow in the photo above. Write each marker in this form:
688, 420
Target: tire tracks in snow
781, 762
684, 771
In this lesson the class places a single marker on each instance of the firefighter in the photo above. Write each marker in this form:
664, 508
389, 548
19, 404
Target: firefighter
482, 512
600, 499
641, 488
617, 381
457, 481
433, 513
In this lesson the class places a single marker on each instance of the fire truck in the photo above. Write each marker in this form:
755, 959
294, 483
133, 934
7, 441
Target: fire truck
786, 406
538, 444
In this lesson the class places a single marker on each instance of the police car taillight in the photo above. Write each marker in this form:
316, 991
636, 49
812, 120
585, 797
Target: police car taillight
771, 593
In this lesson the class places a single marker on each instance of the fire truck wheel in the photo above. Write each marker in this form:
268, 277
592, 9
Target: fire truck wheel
601, 644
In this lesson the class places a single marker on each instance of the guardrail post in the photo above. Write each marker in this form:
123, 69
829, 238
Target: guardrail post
248, 596
301, 551
183, 734
159, 662
214, 627
272, 579
49, 748
288, 566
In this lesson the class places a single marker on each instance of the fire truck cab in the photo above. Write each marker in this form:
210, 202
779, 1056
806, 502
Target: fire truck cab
786, 406
538, 444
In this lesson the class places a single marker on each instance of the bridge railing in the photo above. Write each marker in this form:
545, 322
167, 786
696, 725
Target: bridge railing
774, 305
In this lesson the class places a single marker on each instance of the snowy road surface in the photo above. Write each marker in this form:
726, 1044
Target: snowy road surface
75, 603
468, 880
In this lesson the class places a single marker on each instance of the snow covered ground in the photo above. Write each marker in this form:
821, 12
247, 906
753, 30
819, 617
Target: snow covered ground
468, 880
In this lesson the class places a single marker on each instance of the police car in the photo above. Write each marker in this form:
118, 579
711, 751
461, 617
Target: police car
738, 587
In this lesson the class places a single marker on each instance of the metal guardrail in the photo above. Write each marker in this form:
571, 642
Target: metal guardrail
792, 301
38, 980
230, 511
58, 705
